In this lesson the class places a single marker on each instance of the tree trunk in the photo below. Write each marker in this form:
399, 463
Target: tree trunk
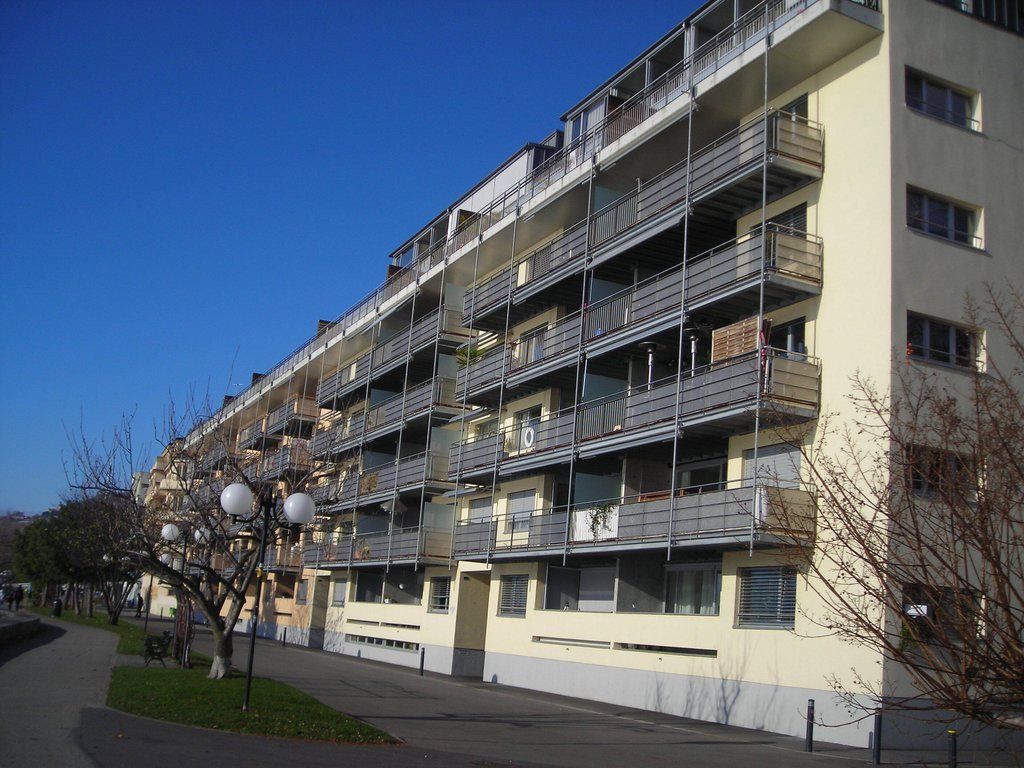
88, 599
223, 647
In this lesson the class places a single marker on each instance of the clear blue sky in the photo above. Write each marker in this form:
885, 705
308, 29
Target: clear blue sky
184, 186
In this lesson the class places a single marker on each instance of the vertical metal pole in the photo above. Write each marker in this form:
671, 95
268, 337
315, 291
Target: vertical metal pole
266, 504
876, 742
506, 367
761, 351
682, 325
581, 358
423, 659
435, 396
463, 436
809, 735
951, 756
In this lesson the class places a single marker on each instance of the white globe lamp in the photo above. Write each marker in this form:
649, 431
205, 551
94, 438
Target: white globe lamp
170, 532
166, 558
299, 508
201, 535
236, 500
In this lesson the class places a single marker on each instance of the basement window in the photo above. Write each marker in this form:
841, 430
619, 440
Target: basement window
767, 598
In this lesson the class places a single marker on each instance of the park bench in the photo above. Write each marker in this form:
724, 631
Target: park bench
157, 648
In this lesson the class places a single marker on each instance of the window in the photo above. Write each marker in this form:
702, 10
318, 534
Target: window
520, 509
794, 218
701, 476
934, 471
302, 591
480, 510
525, 429
485, 428
1003, 13
581, 589
940, 342
369, 587
529, 347
931, 612
340, 592
789, 339
767, 598
941, 218
440, 594
778, 465
512, 595
693, 589
941, 101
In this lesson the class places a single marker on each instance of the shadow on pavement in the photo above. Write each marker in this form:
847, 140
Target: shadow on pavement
47, 634
115, 739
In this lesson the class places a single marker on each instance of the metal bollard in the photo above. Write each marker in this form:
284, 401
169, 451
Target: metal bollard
423, 658
876, 742
809, 737
951, 750
284, 636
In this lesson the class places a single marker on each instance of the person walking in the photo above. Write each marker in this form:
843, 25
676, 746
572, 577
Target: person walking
9, 597
19, 595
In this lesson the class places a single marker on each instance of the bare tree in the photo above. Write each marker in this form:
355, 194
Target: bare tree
214, 561
920, 529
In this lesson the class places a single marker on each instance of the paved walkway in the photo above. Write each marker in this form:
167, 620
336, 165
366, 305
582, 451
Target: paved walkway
501, 724
45, 682
52, 689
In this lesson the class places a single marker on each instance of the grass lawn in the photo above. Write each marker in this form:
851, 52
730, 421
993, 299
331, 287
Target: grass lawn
131, 635
187, 697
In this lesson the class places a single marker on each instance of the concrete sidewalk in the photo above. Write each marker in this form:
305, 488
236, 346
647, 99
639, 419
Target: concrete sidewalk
500, 723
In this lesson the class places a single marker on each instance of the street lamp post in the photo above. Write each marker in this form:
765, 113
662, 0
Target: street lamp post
237, 500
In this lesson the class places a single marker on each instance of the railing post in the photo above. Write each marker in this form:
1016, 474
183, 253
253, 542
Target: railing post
809, 734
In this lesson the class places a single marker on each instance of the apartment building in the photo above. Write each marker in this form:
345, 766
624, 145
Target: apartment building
541, 449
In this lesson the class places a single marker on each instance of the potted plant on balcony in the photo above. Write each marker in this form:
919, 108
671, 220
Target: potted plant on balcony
468, 354
597, 519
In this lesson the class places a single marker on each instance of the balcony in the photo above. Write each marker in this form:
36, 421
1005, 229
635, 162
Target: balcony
728, 515
338, 438
482, 375
441, 323
399, 545
485, 299
289, 461
294, 418
250, 438
381, 483
326, 494
717, 399
729, 273
334, 387
392, 413
282, 558
216, 458
724, 171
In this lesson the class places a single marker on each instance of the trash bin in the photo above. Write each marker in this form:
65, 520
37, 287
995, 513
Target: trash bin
58, 606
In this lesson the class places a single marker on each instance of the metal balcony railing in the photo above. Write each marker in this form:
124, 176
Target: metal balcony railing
422, 468
421, 333
398, 544
714, 273
325, 494
702, 63
731, 511
294, 409
744, 147
283, 557
290, 459
215, 458
645, 412
481, 373
251, 437
343, 381
489, 294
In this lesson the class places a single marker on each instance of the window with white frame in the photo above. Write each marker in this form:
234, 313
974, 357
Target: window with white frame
941, 342
943, 218
512, 595
480, 510
933, 472
935, 99
520, 507
692, 589
766, 598
340, 593
440, 594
